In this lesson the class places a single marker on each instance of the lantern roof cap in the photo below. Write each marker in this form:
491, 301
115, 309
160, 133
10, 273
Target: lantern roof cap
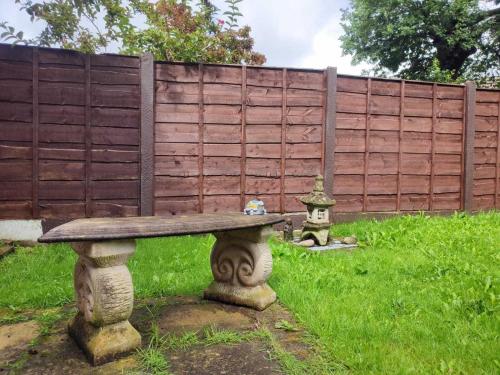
318, 197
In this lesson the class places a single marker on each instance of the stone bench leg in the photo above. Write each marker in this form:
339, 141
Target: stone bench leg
241, 263
105, 298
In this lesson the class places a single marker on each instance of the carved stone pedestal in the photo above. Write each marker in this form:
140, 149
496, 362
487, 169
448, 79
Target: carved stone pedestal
105, 299
241, 263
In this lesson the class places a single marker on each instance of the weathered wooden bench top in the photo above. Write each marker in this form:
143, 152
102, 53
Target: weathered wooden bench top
96, 229
241, 262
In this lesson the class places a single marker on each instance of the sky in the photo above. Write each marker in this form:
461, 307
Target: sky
291, 33
298, 33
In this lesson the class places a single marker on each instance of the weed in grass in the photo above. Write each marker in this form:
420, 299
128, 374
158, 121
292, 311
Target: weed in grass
154, 310
289, 363
152, 359
11, 319
47, 321
183, 342
285, 325
17, 366
318, 363
213, 335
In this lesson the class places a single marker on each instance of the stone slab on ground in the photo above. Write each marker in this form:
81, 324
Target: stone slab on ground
59, 355
196, 316
334, 246
247, 358
56, 353
15, 339
6, 249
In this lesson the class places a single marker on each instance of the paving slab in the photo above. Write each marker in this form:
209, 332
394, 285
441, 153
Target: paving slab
57, 354
248, 358
15, 339
195, 317
6, 249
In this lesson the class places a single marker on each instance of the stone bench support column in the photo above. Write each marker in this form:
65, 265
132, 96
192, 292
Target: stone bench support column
105, 298
241, 263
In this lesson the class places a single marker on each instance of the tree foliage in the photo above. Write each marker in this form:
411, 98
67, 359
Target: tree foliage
84, 25
175, 30
444, 40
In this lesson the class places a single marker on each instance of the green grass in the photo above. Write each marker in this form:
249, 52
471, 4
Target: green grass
152, 358
420, 296
43, 277
213, 336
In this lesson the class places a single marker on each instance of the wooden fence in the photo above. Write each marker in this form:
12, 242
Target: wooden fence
69, 134
399, 145
107, 135
252, 131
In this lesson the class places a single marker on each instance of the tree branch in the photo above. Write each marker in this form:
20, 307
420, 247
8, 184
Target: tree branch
492, 12
485, 15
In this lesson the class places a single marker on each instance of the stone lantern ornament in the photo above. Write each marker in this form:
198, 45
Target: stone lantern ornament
317, 224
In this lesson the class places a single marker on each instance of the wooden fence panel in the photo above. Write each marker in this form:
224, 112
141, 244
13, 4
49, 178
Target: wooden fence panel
108, 135
69, 134
16, 132
62, 134
232, 133
398, 146
113, 186
486, 176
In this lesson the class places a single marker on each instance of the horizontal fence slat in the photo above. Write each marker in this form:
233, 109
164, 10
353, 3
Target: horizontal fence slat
211, 138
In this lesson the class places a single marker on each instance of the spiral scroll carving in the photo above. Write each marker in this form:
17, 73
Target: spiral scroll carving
242, 263
84, 289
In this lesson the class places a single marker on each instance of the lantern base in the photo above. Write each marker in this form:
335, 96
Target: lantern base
320, 236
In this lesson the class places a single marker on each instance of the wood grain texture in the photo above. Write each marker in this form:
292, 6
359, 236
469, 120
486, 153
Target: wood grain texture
15, 53
283, 148
243, 136
469, 152
16, 91
35, 137
147, 134
367, 142
433, 143
402, 92
330, 159
201, 119
152, 226
88, 136
497, 174
254, 125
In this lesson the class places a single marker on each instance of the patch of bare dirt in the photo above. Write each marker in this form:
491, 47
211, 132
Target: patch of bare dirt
56, 353
15, 339
194, 317
248, 358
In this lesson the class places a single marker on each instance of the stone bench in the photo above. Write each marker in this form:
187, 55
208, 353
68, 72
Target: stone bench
241, 263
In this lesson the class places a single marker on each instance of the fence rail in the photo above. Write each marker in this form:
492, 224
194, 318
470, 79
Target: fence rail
109, 135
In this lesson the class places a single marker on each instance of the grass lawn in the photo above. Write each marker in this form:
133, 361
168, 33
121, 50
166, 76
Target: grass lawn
419, 296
